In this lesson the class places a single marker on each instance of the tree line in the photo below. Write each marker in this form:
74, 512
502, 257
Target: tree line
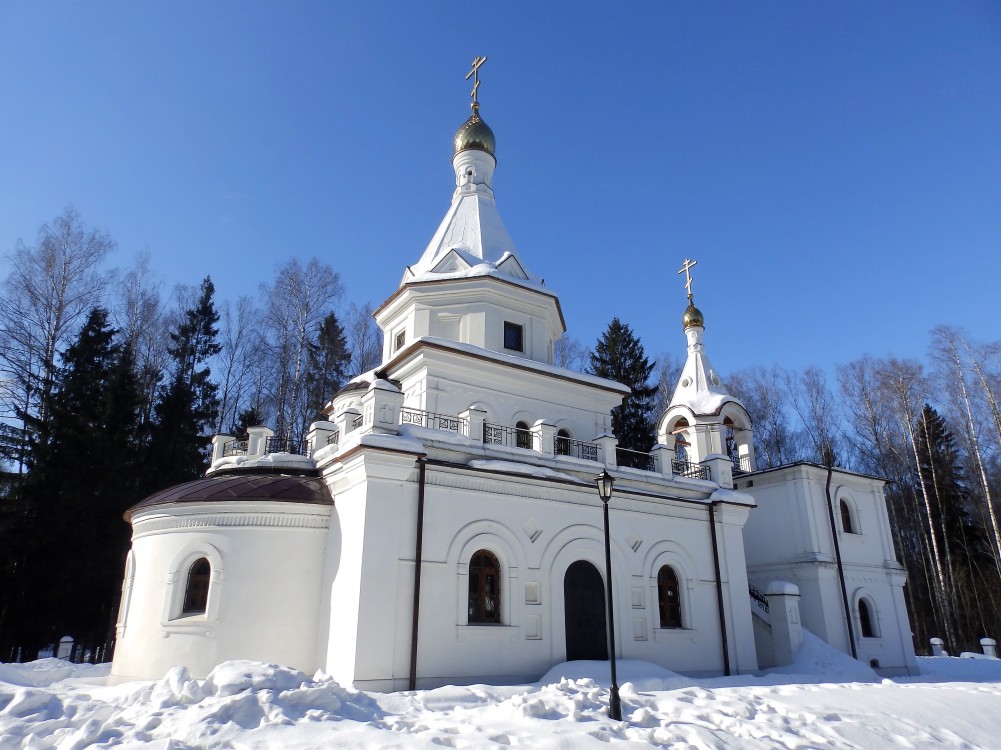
110, 389
933, 429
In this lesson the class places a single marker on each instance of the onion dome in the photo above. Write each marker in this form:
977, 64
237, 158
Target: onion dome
693, 316
475, 135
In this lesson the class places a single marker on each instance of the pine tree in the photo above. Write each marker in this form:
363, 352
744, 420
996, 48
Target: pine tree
188, 405
619, 356
327, 364
71, 538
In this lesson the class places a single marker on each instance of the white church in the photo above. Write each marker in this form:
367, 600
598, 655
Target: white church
444, 525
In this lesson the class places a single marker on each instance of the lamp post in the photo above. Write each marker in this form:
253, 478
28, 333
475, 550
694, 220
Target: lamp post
605, 482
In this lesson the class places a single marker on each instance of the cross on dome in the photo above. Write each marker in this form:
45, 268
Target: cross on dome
688, 264
475, 73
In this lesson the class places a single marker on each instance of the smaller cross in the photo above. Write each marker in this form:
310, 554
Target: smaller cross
688, 276
475, 73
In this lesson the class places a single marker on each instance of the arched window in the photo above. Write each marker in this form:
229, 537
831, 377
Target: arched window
196, 591
562, 443
867, 623
846, 519
484, 588
669, 597
730, 438
680, 443
524, 437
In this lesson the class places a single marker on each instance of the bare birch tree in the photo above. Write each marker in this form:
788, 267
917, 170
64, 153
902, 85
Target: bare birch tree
141, 318
946, 344
905, 381
757, 388
295, 305
49, 289
364, 339
241, 346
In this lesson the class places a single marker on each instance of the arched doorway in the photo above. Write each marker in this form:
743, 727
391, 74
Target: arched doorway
584, 610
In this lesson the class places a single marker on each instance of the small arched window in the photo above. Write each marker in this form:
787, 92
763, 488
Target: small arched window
669, 597
524, 437
866, 622
562, 443
484, 588
846, 519
196, 590
680, 447
730, 438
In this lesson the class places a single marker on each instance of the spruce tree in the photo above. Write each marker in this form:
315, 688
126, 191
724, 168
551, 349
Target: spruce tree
953, 522
327, 363
188, 405
619, 356
71, 538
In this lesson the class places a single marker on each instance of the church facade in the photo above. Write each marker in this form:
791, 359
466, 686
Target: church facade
443, 524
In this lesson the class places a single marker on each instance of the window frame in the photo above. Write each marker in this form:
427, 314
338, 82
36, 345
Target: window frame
478, 587
512, 327
664, 607
173, 619
870, 622
195, 599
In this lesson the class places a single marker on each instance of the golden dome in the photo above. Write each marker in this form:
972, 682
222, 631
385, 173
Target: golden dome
475, 134
692, 316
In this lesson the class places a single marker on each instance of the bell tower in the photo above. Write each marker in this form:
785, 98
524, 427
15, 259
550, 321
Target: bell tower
703, 419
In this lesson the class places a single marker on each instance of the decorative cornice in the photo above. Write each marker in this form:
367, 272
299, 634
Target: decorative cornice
493, 279
160, 523
499, 483
411, 351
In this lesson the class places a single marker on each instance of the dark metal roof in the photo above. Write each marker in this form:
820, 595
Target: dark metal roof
277, 488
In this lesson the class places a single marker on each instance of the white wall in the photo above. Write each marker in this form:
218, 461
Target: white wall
266, 561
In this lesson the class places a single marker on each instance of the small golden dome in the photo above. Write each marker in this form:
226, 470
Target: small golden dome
693, 316
475, 134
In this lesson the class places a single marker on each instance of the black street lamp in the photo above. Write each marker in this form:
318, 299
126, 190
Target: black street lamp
605, 482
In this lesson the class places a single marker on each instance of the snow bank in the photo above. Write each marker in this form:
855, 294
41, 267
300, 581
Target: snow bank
831, 702
817, 661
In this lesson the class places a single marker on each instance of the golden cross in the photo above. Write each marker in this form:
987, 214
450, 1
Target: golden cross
688, 277
475, 73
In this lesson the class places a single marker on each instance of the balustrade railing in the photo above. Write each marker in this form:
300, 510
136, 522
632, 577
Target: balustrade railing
758, 598
281, 444
513, 437
690, 470
741, 464
434, 421
564, 446
334, 437
234, 448
634, 459
357, 421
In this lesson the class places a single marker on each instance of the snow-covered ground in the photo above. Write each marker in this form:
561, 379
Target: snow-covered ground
823, 700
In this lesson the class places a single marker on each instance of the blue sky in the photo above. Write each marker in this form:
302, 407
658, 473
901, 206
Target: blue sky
835, 168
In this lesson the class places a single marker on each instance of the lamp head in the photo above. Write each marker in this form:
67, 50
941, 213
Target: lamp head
604, 481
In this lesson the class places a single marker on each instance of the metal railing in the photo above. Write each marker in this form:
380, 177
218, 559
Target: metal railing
758, 598
564, 446
234, 448
741, 464
434, 421
357, 421
513, 437
634, 459
690, 470
334, 437
282, 444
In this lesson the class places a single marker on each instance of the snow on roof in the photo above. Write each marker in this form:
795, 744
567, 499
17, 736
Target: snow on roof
471, 241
